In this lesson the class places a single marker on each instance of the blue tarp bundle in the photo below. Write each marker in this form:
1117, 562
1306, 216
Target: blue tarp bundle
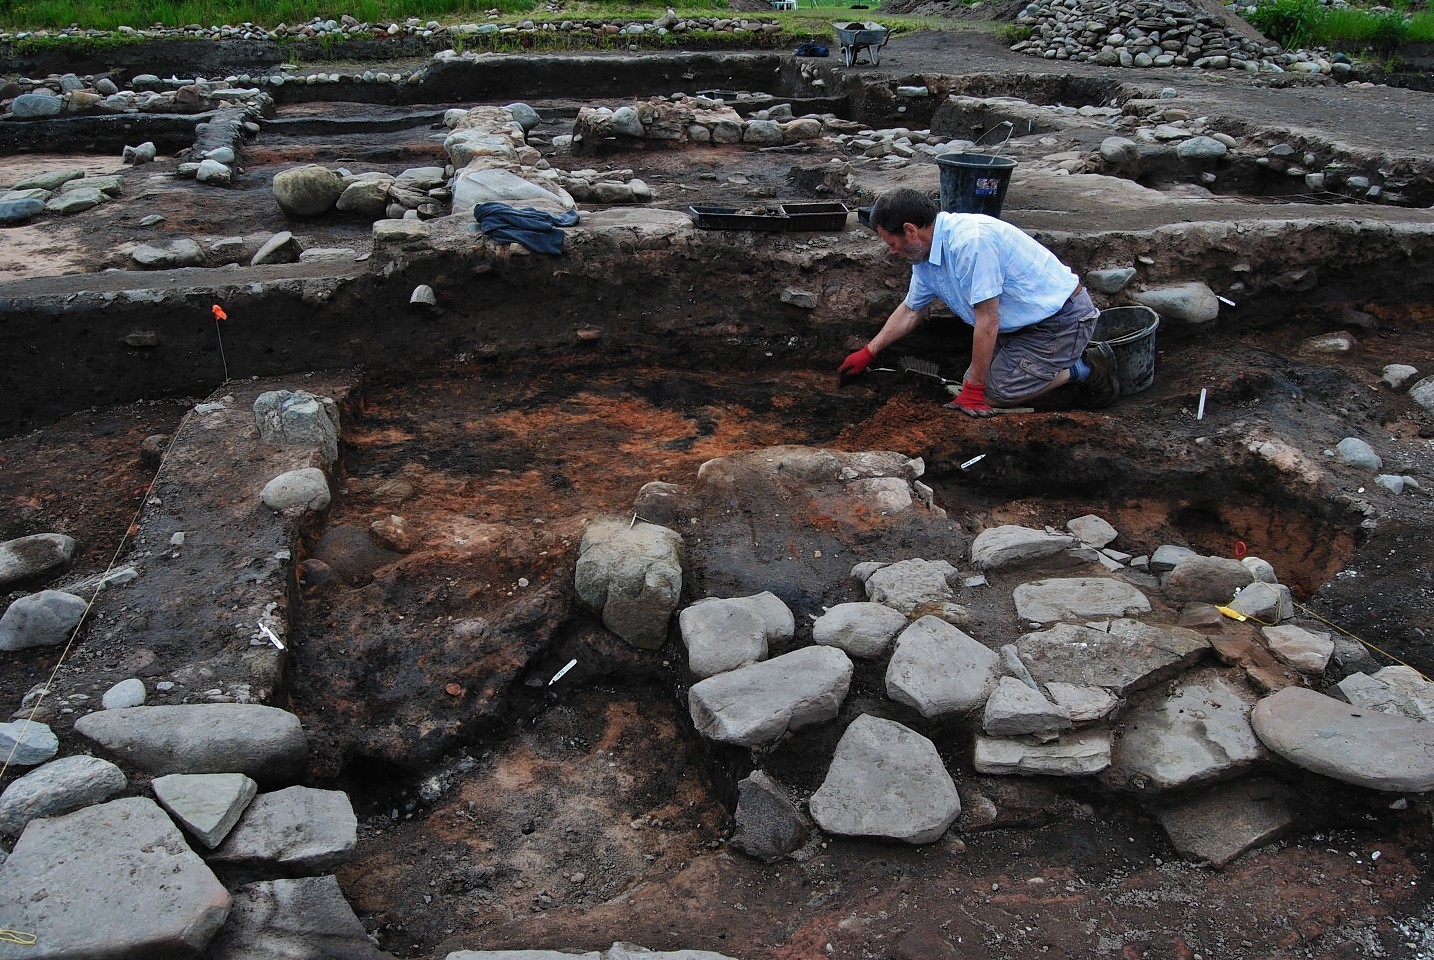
534, 229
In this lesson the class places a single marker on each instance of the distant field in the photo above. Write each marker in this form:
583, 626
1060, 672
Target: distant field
109, 14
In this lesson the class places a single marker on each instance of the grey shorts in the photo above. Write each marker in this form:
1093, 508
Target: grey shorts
1028, 359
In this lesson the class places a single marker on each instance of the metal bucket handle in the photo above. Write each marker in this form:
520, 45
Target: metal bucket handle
1006, 124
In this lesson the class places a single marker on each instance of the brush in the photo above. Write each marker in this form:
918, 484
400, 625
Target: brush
923, 368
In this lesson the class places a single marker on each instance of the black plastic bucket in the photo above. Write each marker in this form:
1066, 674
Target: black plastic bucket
972, 183
1130, 334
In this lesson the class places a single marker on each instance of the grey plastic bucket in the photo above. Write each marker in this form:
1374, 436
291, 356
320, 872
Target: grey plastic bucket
1130, 334
973, 183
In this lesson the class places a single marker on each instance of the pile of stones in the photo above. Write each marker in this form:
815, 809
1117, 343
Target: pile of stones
695, 119
224, 117
1156, 675
69, 95
1145, 33
350, 28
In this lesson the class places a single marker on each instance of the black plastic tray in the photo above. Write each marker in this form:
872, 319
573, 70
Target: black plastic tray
815, 216
731, 218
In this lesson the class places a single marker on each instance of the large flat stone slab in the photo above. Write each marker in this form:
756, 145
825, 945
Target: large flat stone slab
1396, 690
265, 743
1217, 825
111, 882
1080, 753
1011, 545
297, 831
1346, 743
58, 787
1078, 598
1014, 709
1197, 732
1122, 656
757, 704
886, 780
207, 805
725, 633
937, 669
303, 919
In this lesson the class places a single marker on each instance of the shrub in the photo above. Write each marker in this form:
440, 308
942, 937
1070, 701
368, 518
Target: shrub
1291, 23
1013, 33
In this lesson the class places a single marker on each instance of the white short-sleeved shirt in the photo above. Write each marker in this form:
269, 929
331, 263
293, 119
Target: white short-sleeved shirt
975, 257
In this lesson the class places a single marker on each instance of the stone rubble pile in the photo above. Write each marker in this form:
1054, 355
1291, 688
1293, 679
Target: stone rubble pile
226, 116
349, 28
1145, 33
1162, 676
146, 93
1156, 136
224, 849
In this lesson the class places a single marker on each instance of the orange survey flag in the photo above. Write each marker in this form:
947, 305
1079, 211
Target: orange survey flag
219, 313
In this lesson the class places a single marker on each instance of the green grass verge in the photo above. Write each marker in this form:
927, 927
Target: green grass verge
1306, 23
100, 15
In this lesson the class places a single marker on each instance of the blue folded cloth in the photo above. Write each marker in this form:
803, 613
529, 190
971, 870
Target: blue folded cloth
534, 229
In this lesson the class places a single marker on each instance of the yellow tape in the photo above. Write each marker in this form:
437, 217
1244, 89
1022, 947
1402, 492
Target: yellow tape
1234, 614
18, 936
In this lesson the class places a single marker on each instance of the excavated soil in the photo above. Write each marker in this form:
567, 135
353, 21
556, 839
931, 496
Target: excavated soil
585, 813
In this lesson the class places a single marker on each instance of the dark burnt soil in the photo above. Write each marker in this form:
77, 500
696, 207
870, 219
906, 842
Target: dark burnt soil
1087, 871
587, 814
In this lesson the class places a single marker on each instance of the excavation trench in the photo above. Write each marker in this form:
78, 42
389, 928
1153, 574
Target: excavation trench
476, 773
503, 808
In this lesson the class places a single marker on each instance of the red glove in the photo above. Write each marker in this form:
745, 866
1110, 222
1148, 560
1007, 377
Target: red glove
972, 401
855, 364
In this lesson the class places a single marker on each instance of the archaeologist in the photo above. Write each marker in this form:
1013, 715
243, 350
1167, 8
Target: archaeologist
1032, 316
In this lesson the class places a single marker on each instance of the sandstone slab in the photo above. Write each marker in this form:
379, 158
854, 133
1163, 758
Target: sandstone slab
1079, 753
301, 919
757, 704
722, 634
297, 831
1197, 732
262, 742
1217, 825
207, 805
110, 882
1346, 743
1078, 598
863, 630
887, 781
1010, 545
937, 669
1122, 656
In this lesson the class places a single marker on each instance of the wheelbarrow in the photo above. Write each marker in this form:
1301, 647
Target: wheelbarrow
857, 36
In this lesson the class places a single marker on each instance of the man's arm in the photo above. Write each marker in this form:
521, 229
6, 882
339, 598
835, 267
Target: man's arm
902, 321
983, 342
972, 398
